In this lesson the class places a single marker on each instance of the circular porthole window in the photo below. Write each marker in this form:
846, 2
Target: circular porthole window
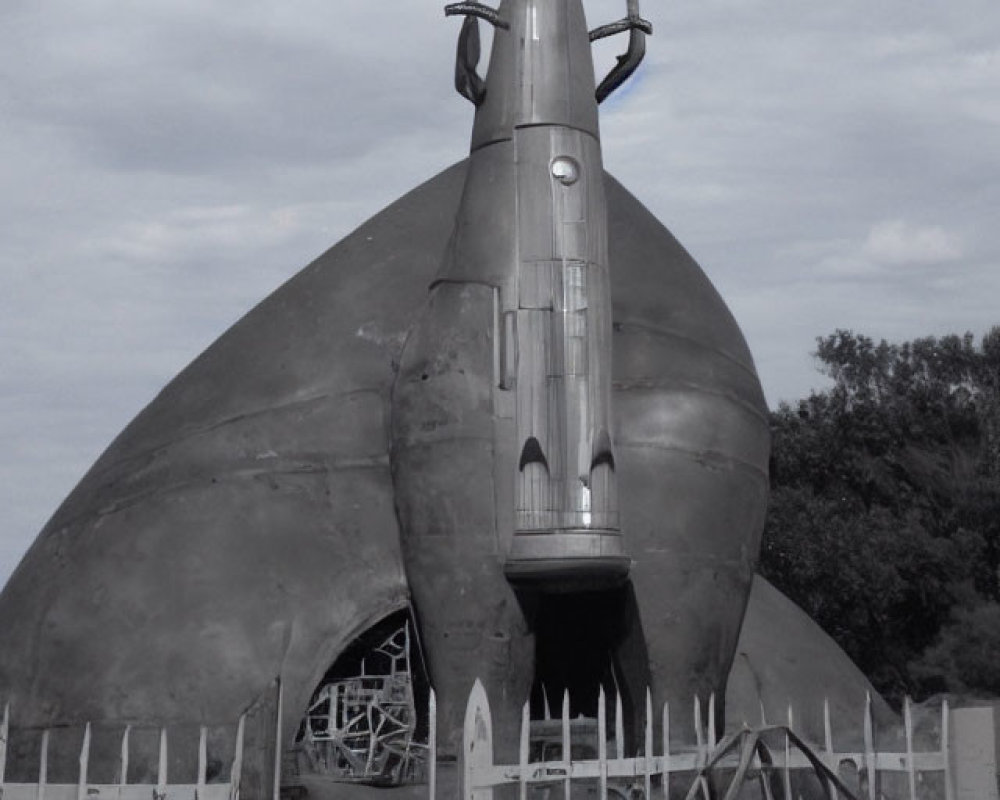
565, 170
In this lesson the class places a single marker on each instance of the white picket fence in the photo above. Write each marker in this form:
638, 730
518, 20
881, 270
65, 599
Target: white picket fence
83, 789
963, 761
744, 754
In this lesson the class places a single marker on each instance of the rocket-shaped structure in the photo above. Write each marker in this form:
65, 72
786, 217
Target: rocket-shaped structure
529, 259
505, 385
511, 402
504, 437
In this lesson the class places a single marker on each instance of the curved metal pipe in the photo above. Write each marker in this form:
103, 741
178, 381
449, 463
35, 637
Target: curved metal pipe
474, 9
638, 28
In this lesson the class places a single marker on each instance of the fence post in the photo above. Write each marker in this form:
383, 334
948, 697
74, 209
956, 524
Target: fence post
949, 778
712, 738
786, 771
81, 786
699, 734
619, 727
432, 745
647, 783
199, 791
665, 722
870, 747
236, 771
522, 775
831, 760
477, 743
161, 772
43, 765
276, 790
123, 779
911, 773
566, 744
702, 750
602, 744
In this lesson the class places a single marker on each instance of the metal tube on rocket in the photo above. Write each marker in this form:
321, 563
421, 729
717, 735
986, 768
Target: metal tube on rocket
535, 196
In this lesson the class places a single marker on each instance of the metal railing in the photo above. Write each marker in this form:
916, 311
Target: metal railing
961, 767
770, 755
84, 789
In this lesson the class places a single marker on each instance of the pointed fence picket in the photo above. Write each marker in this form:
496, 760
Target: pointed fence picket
748, 754
432, 745
83, 789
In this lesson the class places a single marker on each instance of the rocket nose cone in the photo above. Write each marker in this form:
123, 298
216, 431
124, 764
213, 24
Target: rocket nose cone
541, 71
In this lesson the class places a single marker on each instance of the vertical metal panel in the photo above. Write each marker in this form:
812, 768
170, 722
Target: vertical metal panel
534, 501
535, 284
973, 748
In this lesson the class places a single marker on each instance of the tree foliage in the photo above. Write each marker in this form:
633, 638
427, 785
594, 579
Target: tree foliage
885, 506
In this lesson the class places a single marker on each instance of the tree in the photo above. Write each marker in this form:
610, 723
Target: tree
965, 655
885, 507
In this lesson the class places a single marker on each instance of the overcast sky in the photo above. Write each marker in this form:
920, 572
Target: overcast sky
167, 164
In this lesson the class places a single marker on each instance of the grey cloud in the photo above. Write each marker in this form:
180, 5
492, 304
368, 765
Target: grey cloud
195, 93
